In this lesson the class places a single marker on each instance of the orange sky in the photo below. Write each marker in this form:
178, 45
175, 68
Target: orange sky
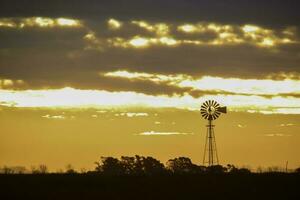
58, 137
111, 78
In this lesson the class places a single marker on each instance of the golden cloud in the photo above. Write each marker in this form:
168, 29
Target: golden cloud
114, 24
141, 42
156, 133
43, 22
93, 41
9, 83
157, 28
210, 83
76, 98
229, 34
224, 34
166, 34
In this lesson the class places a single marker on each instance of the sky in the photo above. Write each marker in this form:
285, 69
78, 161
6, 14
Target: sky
84, 79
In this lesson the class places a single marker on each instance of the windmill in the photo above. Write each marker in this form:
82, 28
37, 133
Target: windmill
211, 110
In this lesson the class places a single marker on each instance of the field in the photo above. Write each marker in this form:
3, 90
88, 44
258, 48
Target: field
201, 186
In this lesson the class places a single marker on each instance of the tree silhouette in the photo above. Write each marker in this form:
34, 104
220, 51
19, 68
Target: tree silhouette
234, 170
183, 165
8, 170
41, 169
110, 166
128, 164
152, 166
70, 169
137, 165
216, 169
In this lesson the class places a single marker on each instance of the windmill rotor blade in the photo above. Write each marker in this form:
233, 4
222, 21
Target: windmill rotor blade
206, 103
214, 103
217, 112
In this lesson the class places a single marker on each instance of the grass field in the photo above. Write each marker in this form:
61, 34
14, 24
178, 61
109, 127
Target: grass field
93, 186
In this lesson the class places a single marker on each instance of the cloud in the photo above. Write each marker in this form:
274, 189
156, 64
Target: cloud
154, 133
241, 126
157, 28
41, 22
102, 111
62, 46
8, 84
277, 135
203, 34
114, 24
288, 124
54, 116
133, 48
235, 12
75, 98
289, 111
131, 114
221, 85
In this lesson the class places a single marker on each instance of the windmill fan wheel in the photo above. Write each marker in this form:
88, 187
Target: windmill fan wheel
211, 110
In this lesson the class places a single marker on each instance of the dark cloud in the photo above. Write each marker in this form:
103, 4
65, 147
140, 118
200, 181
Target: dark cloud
57, 57
41, 38
267, 12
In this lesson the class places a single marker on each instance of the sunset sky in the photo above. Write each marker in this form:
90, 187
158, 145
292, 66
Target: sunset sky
84, 79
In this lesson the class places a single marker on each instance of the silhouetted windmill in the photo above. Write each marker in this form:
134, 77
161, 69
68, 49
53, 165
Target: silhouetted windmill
211, 110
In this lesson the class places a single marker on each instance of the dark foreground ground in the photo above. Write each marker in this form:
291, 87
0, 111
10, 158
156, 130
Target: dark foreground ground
89, 186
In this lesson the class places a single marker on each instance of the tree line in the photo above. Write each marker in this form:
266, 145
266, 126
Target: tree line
141, 165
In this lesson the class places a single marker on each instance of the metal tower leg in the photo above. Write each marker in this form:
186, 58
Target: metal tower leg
210, 148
